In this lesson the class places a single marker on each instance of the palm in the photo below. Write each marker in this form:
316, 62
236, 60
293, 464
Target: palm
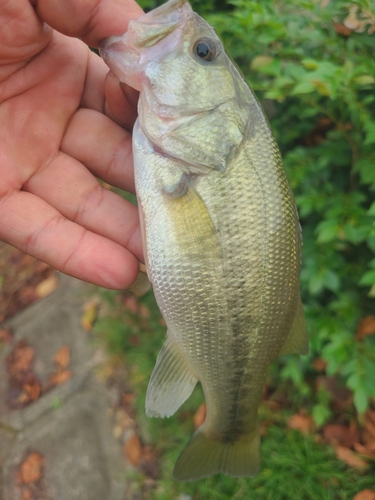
55, 140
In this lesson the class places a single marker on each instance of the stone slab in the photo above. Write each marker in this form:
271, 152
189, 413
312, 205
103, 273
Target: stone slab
47, 326
82, 460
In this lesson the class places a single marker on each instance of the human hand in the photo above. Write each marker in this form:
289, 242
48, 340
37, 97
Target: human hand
55, 139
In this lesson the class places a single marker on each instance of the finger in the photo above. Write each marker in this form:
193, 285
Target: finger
90, 20
36, 228
93, 92
102, 146
121, 101
74, 192
23, 35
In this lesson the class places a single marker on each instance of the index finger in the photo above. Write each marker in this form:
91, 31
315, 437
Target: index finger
90, 20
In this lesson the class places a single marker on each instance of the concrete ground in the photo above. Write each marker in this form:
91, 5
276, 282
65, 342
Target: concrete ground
70, 426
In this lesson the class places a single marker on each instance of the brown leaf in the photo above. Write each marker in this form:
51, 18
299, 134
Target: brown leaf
365, 495
342, 397
144, 311
26, 493
319, 364
341, 29
20, 359
62, 356
32, 390
349, 457
47, 286
6, 336
32, 468
90, 312
369, 428
363, 450
60, 377
127, 398
302, 422
366, 327
133, 450
23, 391
149, 463
200, 416
341, 434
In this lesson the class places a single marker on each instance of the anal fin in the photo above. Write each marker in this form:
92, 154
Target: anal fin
297, 341
171, 382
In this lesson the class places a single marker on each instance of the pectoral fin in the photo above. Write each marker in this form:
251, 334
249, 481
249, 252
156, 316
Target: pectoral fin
297, 341
141, 285
171, 382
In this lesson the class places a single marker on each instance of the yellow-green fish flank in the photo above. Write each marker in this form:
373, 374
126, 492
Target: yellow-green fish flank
221, 234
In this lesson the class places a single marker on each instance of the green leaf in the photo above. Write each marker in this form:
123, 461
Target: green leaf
368, 278
321, 413
371, 210
260, 61
360, 399
364, 79
327, 231
303, 88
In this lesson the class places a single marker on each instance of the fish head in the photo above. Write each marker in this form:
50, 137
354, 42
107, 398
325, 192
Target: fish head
174, 54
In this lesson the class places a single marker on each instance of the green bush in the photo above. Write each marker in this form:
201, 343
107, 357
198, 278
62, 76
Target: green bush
317, 78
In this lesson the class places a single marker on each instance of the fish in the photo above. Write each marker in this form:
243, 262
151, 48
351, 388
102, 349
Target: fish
221, 234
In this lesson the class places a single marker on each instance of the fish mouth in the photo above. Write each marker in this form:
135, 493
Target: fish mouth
126, 55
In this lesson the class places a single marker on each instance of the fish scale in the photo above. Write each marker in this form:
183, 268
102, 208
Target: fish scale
220, 231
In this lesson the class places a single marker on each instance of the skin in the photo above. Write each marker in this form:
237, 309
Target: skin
64, 122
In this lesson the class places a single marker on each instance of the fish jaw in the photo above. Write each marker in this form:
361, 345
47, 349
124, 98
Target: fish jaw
148, 39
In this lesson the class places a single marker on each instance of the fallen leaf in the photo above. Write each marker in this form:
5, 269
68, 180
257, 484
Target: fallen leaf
342, 397
62, 356
20, 359
47, 286
365, 495
127, 398
200, 416
369, 428
349, 457
90, 312
28, 294
341, 434
366, 327
60, 377
26, 493
341, 29
301, 422
149, 463
133, 450
32, 390
363, 450
144, 311
6, 336
319, 364
32, 468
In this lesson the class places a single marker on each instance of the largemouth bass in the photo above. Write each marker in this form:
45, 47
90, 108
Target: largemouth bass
222, 240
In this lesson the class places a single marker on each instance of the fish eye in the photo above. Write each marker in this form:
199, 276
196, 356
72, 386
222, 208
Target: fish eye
206, 49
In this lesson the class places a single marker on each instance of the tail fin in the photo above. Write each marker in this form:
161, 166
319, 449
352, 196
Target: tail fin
204, 456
